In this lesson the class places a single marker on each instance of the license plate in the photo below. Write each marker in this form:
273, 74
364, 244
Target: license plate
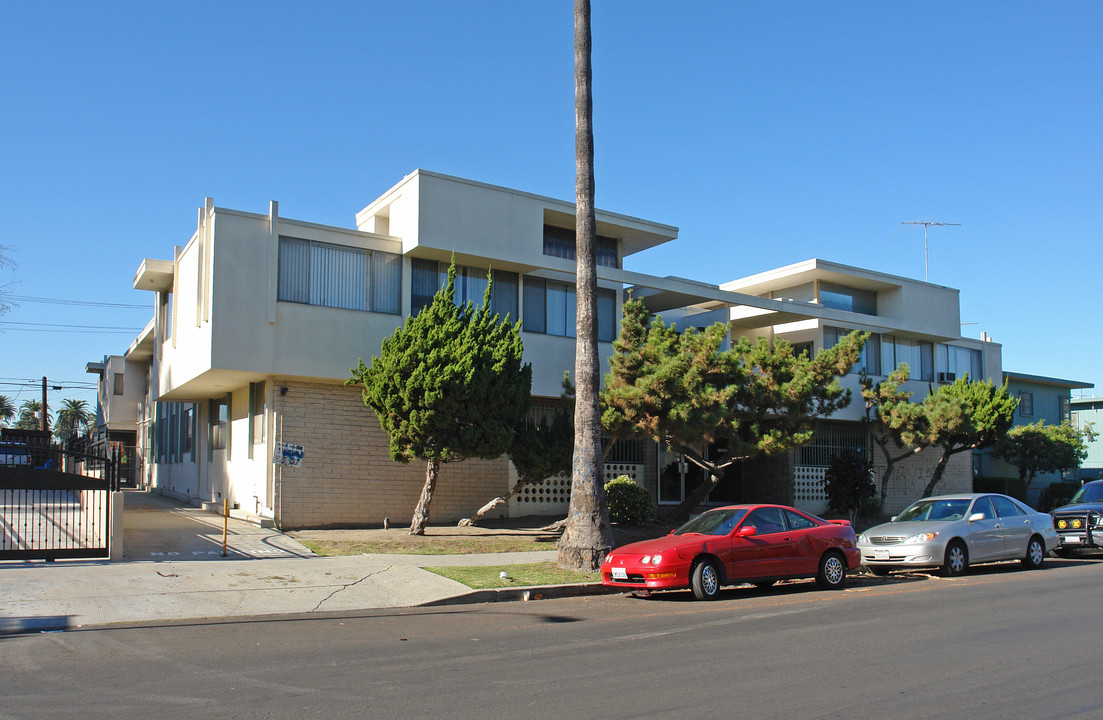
880, 554
619, 573
1072, 539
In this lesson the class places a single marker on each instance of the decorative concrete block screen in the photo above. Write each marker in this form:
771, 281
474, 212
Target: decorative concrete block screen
553, 496
808, 489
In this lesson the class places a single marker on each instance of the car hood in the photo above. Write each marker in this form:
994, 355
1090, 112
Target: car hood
663, 544
909, 528
1079, 508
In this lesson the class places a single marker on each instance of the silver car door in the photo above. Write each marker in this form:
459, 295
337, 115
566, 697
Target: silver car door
1016, 526
985, 536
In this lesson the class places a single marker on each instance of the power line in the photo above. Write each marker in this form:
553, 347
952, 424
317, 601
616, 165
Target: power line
66, 301
69, 325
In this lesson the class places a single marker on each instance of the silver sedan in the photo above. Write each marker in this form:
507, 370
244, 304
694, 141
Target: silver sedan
953, 531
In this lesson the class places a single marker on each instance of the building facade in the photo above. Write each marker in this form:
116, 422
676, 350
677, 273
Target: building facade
258, 320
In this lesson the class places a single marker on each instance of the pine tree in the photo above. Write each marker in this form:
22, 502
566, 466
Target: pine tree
446, 386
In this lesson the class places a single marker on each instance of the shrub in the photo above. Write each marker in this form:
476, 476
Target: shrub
629, 504
849, 483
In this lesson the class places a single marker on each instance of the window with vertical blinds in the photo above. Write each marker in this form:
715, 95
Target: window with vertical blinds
314, 273
428, 276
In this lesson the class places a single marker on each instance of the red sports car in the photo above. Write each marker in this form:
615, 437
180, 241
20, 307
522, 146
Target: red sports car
738, 544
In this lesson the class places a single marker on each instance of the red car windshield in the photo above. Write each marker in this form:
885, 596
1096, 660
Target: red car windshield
713, 522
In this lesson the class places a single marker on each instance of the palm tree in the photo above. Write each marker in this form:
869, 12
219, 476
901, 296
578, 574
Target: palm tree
587, 536
7, 410
28, 416
72, 416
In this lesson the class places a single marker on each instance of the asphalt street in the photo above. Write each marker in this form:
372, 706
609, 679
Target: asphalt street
999, 643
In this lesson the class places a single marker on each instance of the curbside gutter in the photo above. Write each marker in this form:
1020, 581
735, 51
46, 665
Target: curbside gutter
524, 594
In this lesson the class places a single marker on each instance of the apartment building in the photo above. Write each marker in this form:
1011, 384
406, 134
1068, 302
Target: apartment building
258, 320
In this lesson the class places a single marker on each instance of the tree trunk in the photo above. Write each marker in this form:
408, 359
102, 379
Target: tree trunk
421, 512
681, 513
471, 521
588, 535
939, 469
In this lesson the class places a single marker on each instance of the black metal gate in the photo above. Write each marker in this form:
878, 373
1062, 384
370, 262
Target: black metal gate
48, 514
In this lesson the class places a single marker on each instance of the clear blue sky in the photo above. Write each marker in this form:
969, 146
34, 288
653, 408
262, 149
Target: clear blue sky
769, 133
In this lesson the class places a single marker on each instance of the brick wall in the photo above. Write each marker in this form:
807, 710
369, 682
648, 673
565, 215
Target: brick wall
347, 478
910, 477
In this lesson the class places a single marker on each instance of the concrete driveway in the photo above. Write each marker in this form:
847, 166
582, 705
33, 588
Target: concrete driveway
157, 528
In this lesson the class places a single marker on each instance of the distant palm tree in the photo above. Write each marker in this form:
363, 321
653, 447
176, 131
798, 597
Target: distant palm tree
7, 410
28, 416
72, 417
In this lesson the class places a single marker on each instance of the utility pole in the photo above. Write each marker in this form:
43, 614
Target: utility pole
42, 426
926, 224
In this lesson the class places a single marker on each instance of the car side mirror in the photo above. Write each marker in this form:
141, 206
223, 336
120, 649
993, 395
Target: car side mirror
976, 516
746, 531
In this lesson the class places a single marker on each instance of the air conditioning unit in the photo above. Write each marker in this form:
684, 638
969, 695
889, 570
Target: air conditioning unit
946, 377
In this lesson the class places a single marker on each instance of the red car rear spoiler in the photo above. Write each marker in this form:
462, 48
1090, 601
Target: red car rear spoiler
840, 522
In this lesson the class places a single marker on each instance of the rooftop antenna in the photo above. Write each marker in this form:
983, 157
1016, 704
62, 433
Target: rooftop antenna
926, 224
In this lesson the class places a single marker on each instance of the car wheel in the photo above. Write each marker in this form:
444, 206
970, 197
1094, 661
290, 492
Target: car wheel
1035, 553
878, 570
764, 584
957, 559
832, 574
705, 580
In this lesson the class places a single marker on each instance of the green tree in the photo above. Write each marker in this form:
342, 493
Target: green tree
7, 410
587, 536
539, 451
897, 425
447, 385
849, 484
72, 417
1040, 448
29, 413
683, 389
965, 416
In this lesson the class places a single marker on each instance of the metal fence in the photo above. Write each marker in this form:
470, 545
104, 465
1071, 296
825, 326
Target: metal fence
55, 503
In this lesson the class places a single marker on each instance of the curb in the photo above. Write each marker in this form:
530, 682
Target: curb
524, 594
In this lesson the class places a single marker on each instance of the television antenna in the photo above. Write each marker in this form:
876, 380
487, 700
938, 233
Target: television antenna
926, 224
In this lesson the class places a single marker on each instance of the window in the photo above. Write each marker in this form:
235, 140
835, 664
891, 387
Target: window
187, 444
561, 243
766, 521
116, 383
982, 505
550, 308
1006, 508
219, 423
918, 354
1026, 404
256, 414
952, 362
798, 521
870, 359
429, 276
841, 297
314, 273
1063, 411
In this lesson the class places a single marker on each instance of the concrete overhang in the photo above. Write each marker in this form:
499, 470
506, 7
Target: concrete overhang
95, 368
746, 311
154, 275
142, 348
817, 269
1043, 380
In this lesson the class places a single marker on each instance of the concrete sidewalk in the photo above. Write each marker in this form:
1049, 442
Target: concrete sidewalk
174, 570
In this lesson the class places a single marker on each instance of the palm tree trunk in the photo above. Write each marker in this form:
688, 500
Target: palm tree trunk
588, 536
